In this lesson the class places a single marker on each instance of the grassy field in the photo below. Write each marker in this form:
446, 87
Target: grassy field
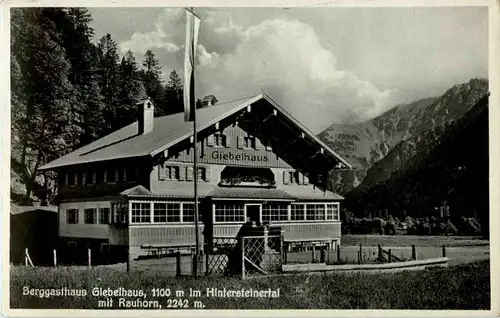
457, 287
408, 240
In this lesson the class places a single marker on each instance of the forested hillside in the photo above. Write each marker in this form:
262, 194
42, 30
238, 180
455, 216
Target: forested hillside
367, 143
450, 171
68, 89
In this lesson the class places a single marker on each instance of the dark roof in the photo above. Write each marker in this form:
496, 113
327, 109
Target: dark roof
312, 194
18, 209
168, 131
249, 193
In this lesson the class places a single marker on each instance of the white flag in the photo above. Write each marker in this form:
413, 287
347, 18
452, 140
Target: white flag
192, 27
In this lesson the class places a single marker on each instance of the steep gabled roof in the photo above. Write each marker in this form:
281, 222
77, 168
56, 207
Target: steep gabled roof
168, 131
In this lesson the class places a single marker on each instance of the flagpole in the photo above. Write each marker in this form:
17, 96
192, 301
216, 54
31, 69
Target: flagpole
195, 165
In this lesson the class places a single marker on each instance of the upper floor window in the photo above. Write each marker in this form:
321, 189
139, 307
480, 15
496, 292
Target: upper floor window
220, 140
119, 212
131, 173
72, 216
90, 216
168, 172
72, 179
111, 176
202, 173
249, 142
104, 215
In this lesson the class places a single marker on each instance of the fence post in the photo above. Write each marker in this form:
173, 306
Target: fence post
360, 253
322, 255
178, 263
243, 258
313, 252
444, 250
206, 263
194, 261
89, 257
55, 258
390, 256
413, 252
338, 253
128, 259
380, 255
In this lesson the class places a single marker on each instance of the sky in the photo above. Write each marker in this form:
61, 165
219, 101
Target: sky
324, 65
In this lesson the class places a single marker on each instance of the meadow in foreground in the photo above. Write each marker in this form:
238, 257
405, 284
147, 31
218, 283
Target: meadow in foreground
456, 287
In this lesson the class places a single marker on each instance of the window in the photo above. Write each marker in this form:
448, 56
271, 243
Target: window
110, 175
90, 177
173, 212
104, 215
188, 213
229, 213
167, 212
202, 173
168, 172
131, 173
141, 213
298, 213
90, 216
332, 212
274, 212
220, 140
315, 212
160, 213
120, 212
72, 179
72, 216
249, 142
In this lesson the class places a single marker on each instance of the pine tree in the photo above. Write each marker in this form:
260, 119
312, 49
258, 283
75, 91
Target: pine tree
174, 94
131, 89
48, 128
107, 61
76, 32
151, 77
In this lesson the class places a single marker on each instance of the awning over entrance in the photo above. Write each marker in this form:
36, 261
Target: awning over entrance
246, 193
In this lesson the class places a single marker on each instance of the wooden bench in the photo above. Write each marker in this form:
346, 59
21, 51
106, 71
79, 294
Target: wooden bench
159, 250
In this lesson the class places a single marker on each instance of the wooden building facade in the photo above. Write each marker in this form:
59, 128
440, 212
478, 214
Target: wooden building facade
134, 187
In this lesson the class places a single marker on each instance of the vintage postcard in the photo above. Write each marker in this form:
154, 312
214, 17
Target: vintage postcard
185, 159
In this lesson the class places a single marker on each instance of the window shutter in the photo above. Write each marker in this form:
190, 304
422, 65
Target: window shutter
189, 173
300, 177
210, 140
228, 141
286, 177
305, 179
161, 172
182, 173
257, 143
240, 142
208, 174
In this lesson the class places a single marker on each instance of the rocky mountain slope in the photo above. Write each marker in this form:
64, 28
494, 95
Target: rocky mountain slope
451, 169
363, 144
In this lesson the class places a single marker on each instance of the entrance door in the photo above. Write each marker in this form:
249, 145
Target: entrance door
253, 213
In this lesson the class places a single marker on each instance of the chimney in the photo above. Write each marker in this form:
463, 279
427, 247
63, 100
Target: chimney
146, 111
209, 100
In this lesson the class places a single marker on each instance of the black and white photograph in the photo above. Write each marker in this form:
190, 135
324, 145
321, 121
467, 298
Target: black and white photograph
196, 158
